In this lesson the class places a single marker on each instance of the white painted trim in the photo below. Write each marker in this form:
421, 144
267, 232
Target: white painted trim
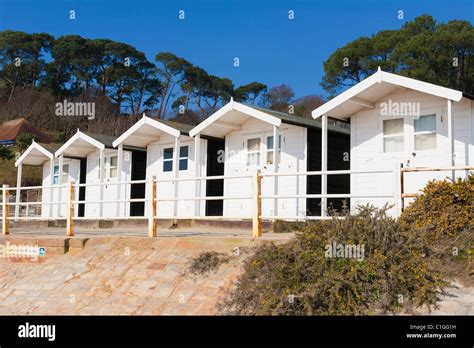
381, 77
232, 105
324, 164
30, 148
150, 122
82, 136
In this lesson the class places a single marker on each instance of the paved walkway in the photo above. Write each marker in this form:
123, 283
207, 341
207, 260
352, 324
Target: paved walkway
121, 276
140, 232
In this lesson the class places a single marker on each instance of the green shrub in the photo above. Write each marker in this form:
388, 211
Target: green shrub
443, 218
299, 277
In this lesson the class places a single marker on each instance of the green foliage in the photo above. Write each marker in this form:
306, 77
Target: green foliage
422, 49
443, 218
82, 66
5, 153
297, 278
24, 140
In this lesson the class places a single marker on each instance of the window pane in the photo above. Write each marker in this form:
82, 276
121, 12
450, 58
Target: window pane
113, 172
270, 143
183, 164
425, 141
168, 153
253, 144
270, 157
55, 180
56, 170
183, 151
66, 168
253, 159
393, 126
167, 166
113, 161
393, 144
425, 123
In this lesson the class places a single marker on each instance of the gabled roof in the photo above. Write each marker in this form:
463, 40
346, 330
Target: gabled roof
107, 140
304, 122
10, 130
144, 132
36, 154
79, 145
184, 128
230, 117
364, 94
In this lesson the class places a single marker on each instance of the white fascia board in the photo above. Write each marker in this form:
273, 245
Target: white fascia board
211, 119
425, 87
260, 115
232, 105
142, 122
82, 136
345, 96
380, 77
33, 146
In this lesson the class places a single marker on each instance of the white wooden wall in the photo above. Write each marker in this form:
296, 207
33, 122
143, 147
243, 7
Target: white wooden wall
57, 211
293, 159
367, 146
110, 191
185, 208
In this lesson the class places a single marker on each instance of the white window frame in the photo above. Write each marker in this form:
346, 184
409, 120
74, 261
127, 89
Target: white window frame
109, 167
183, 158
167, 159
65, 174
384, 136
166, 147
257, 152
435, 132
270, 151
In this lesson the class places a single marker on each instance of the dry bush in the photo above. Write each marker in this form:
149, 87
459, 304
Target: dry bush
206, 262
296, 278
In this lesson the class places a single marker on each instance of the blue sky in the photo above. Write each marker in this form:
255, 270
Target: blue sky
272, 49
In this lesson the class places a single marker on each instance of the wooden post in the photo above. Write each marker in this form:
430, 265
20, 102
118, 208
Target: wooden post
152, 221
70, 211
257, 206
18, 191
5, 227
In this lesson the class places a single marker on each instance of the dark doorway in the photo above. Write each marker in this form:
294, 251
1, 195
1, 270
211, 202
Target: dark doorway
338, 159
215, 187
138, 190
313, 182
82, 189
